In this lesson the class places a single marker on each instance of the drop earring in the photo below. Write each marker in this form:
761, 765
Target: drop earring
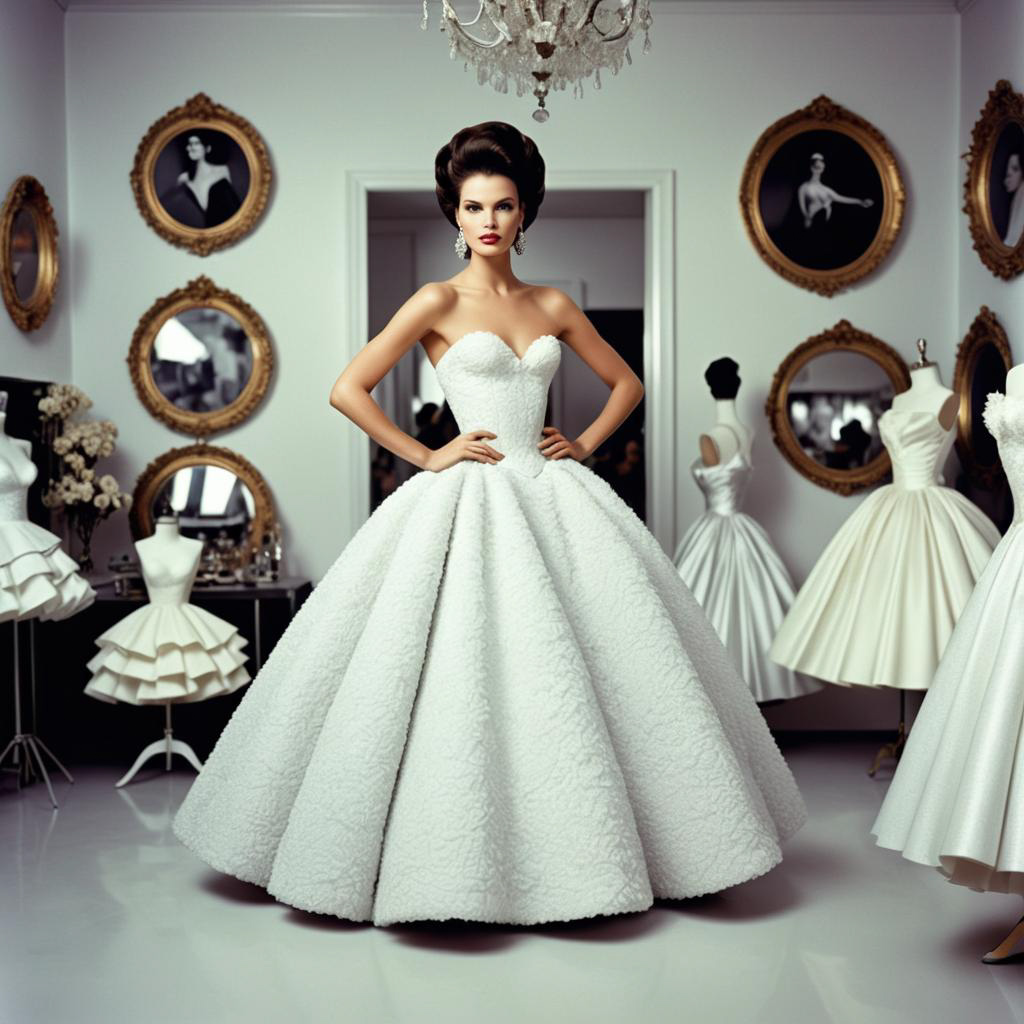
520, 243
461, 246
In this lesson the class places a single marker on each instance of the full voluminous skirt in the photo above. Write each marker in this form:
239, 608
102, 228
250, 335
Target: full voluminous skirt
880, 604
957, 799
172, 652
737, 577
499, 704
37, 579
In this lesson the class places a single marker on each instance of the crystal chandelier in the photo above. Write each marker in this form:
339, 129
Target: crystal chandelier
542, 45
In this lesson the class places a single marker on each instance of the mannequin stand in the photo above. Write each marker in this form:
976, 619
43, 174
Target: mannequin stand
892, 751
25, 745
167, 746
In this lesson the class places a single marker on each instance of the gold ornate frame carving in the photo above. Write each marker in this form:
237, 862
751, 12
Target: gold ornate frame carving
163, 467
823, 115
198, 113
985, 330
1002, 107
197, 293
28, 194
843, 337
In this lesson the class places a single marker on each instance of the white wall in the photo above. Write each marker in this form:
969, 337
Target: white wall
327, 99
32, 127
992, 41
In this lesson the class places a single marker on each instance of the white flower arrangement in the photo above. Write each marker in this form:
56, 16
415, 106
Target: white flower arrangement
85, 498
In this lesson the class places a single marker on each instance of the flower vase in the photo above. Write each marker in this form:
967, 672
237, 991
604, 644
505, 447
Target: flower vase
84, 527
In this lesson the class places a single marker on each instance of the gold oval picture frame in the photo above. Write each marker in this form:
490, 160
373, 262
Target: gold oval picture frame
822, 197
994, 187
201, 176
982, 361
197, 366
843, 338
29, 263
162, 469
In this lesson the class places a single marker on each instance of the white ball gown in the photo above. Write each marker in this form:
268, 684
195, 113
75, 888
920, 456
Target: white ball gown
727, 560
882, 600
499, 704
168, 651
37, 579
957, 799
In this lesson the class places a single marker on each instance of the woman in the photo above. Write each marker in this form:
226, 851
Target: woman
1012, 182
501, 703
203, 195
815, 196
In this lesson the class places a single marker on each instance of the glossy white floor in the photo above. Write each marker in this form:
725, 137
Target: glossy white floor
104, 917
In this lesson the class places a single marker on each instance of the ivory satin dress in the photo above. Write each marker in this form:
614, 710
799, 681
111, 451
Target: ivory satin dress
500, 703
730, 565
880, 604
956, 802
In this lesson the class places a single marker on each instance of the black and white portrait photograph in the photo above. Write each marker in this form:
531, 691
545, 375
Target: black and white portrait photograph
201, 177
1005, 195
821, 199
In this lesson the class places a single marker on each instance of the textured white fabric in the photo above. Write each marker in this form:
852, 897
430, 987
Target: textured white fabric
168, 651
727, 560
957, 799
37, 579
500, 703
880, 604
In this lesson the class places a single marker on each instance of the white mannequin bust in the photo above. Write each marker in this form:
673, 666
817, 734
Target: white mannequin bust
1015, 381
11, 445
167, 553
729, 435
927, 393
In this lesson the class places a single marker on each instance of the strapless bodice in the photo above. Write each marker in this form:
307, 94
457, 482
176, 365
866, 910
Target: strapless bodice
17, 473
917, 445
165, 584
723, 485
1004, 418
490, 388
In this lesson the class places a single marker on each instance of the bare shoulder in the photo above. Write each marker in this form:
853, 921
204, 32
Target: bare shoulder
434, 297
555, 303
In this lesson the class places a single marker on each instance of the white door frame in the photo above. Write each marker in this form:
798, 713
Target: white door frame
659, 323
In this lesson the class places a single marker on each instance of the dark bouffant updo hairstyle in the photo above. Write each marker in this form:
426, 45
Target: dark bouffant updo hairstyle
493, 147
723, 378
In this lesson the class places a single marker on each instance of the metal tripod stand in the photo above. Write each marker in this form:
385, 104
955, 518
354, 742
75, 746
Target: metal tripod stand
25, 746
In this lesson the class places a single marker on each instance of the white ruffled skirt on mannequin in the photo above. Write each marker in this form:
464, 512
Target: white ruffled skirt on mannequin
37, 579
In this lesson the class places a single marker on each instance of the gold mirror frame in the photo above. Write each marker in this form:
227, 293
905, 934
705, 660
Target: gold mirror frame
1003, 106
201, 292
844, 337
823, 115
985, 330
28, 194
163, 467
198, 113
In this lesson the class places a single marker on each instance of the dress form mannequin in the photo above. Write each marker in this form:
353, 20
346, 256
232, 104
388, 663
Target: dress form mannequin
168, 651
728, 436
927, 392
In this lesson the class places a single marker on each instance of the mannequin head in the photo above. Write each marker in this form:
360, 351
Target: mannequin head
723, 378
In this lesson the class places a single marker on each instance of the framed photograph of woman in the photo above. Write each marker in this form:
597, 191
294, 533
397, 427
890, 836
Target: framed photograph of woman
822, 197
201, 176
994, 197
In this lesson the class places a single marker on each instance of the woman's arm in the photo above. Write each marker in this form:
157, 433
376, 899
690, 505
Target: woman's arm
351, 396
837, 198
801, 197
626, 387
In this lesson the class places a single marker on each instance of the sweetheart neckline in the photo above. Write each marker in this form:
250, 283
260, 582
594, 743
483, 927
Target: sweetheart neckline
504, 343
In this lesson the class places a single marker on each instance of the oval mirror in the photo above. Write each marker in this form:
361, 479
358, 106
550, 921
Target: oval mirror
28, 253
825, 403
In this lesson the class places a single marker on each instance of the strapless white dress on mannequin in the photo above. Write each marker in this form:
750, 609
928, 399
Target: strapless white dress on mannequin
957, 799
728, 562
572, 736
37, 579
881, 602
168, 651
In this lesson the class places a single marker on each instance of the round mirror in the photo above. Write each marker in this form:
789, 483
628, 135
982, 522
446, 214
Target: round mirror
201, 359
218, 496
825, 403
982, 362
28, 254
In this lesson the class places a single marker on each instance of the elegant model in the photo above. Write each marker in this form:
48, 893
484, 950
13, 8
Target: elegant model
500, 703
957, 800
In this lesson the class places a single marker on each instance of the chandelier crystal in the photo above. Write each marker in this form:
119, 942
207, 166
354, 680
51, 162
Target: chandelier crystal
542, 45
